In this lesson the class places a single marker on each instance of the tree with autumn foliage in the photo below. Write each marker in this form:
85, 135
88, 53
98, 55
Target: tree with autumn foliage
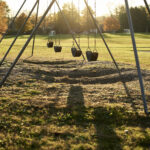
71, 13
111, 24
86, 20
3, 16
20, 20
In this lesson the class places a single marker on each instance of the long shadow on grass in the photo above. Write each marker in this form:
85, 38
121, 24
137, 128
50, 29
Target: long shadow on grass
48, 62
142, 36
104, 119
102, 75
105, 135
87, 76
84, 77
89, 72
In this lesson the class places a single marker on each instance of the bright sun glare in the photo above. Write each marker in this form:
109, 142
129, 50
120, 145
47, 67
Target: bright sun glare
104, 7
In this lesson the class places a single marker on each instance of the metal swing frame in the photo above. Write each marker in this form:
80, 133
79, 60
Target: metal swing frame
147, 6
134, 48
136, 57
12, 22
69, 27
19, 32
92, 55
96, 25
36, 21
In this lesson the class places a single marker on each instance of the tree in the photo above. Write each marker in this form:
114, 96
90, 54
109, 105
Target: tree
20, 20
47, 25
140, 20
87, 23
71, 14
3, 16
111, 24
148, 21
122, 17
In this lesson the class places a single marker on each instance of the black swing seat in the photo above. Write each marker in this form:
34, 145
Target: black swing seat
75, 52
91, 56
57, 49
50, 44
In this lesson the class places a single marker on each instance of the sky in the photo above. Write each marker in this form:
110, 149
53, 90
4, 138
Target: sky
104, 7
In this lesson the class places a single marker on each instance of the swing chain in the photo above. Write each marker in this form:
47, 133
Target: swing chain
79, 21
49, 35
88, 36
95, 41
55, 23
73, 43
59, 33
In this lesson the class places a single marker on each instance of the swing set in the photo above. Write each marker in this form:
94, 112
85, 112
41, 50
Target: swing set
76, 52
91, 55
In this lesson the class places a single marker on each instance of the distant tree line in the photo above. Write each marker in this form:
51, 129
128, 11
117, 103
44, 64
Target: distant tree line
140, 17
79, 22
55, 21
119, 21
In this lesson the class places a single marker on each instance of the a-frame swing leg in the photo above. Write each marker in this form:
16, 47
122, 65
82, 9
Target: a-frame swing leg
69, 27
109, 51
147, 6
12, 22
36, 20
18, 33
26, 44
136, 57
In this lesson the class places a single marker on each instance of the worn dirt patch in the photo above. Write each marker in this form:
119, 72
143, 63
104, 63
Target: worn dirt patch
99, 80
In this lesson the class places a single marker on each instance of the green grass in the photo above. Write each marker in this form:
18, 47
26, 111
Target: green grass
51, 102
120, 45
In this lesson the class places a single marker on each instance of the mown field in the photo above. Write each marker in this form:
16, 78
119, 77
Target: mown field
120, 45
57, 102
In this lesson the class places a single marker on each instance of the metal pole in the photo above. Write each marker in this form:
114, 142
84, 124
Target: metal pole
12, 21
147, 6
99, 31
12, 44
68, 25
136, 56
36, 20
26, 44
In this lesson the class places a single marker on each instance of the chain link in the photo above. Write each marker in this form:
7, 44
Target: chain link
88, 36
95, 41
79, 21
55, 22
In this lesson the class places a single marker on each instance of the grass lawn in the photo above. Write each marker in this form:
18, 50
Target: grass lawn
54, 102
120, 45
